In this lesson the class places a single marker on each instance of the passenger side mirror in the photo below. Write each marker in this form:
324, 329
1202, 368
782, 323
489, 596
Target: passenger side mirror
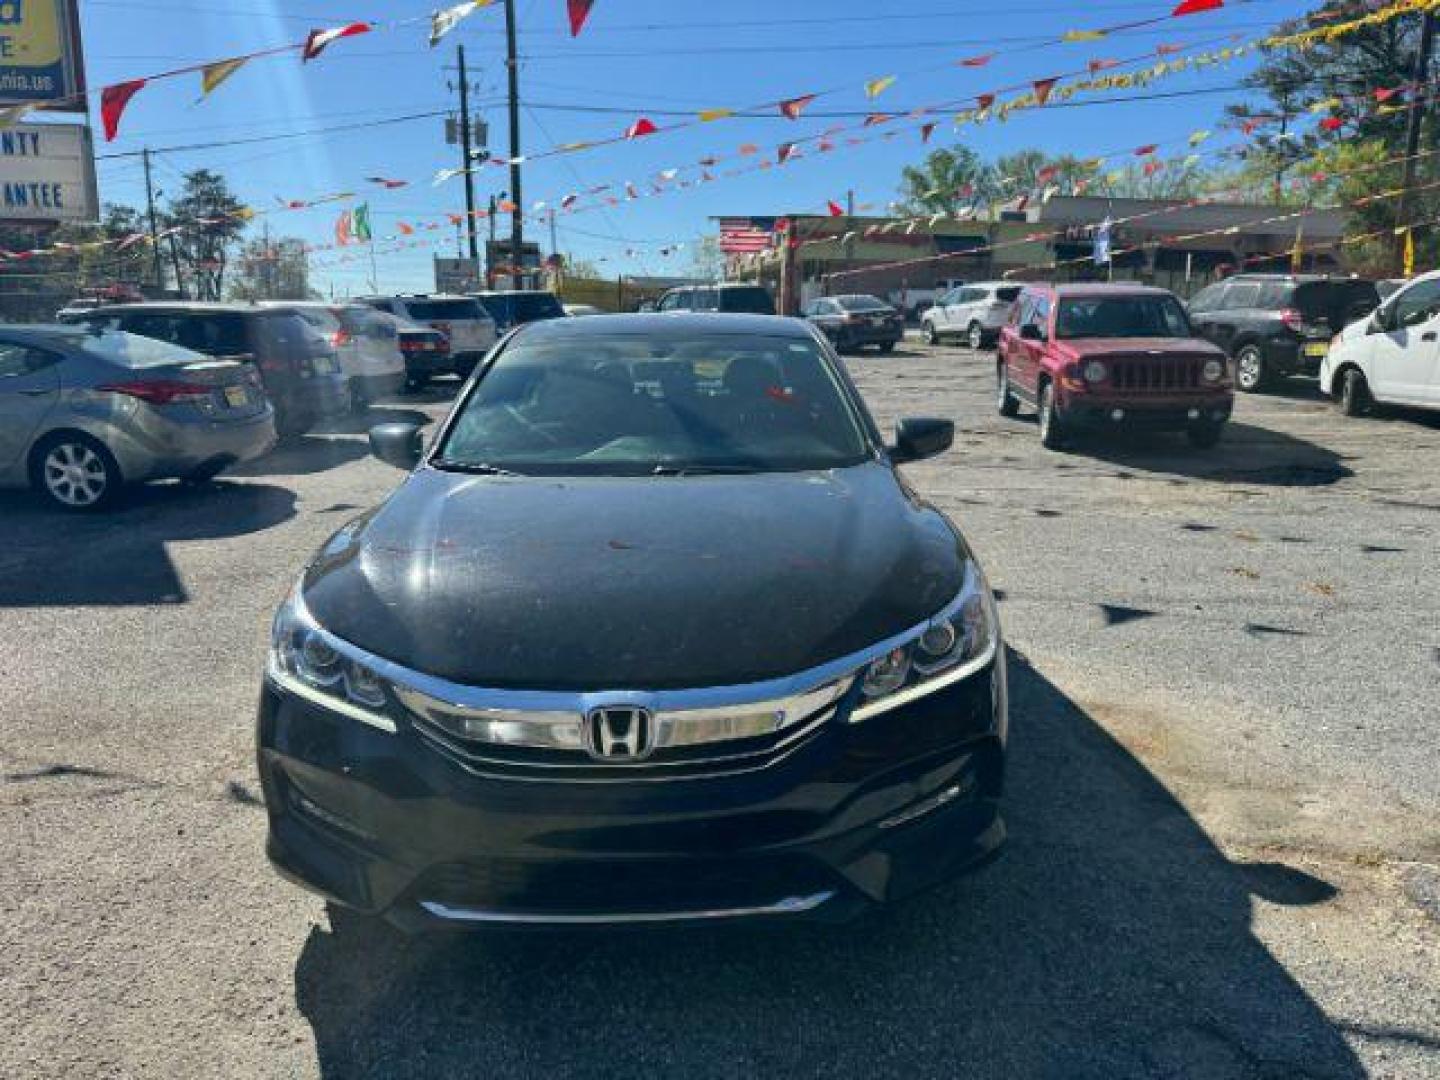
1031, 332
400, 445
921, 437
1380, 321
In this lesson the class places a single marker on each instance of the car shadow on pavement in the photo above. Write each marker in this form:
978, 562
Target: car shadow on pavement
305, 455
1245, 455
49, 558
1112, 939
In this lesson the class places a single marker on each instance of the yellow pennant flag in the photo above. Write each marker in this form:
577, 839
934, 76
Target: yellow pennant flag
212, 75
875, 87
1197, 137
1083, 35
1326, 105
715, 114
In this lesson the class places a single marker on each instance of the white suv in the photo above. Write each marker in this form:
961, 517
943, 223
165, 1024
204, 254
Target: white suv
462, 319
366, 346
1392, 357
975, 313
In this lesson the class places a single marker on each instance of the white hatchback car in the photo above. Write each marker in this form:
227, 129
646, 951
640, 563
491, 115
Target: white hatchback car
1392, 357
974, 313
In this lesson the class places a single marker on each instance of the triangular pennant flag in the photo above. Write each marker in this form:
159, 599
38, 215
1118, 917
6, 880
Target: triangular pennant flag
1197, 137
1332, 123
212, 75
977, 61
1146, 150
825, 146
317, 41
985, 101
877, 118
113, 100
1194, 7
342, 228
1045, 175
710, 115
875, 87
1097, 66
836, 210
1083, 35
579, 11
785, 152
1384, 94
926, 130
1168, 50
568, 201
748, 149
446, 174
405, 230
1043, 88
795, 106
643, 126
445, 20
387, 184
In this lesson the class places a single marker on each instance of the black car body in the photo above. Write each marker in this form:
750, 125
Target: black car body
729, 299
1275, 325
298, 365
852, 322
520, 306
426, 351
606, 690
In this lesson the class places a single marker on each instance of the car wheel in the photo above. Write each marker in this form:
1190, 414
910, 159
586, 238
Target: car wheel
975, 336
1354, 393
1250, 373
76, 472
1008, 403
931, 337
1052, 434
1204, 436
291, 425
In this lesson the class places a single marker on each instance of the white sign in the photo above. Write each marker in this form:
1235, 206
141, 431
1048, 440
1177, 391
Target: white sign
47, 173
457, 275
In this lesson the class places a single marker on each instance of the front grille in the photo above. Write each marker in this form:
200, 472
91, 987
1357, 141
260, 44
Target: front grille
1157, 375
608, 886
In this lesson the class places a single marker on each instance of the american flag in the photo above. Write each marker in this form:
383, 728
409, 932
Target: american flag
741, 236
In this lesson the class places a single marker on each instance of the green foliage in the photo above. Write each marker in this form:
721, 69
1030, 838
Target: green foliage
936, 186
211, 220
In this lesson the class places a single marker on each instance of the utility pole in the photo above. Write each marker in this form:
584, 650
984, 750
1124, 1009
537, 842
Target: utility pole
154, 233
517, 218
466, 162
1419, 86
850, 229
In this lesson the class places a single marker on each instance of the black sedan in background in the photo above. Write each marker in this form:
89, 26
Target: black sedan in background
652, 633
852, 322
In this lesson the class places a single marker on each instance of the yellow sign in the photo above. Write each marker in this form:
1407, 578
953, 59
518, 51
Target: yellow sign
36, 51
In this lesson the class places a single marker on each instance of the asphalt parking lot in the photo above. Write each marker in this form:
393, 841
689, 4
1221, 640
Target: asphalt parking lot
1224, 800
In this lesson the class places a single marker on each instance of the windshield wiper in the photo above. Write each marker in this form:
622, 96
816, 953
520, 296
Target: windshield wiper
474, 468
703, 470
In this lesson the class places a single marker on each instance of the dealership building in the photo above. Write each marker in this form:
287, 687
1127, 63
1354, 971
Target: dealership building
1179, 245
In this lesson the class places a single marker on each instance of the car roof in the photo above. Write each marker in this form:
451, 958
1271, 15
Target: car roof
40, 332
512, 292
1104, 288
670, 326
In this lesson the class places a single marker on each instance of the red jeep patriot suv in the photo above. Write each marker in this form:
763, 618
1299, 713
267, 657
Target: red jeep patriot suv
1097, 356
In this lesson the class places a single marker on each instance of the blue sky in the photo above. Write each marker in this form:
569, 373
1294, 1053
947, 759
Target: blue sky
640, 57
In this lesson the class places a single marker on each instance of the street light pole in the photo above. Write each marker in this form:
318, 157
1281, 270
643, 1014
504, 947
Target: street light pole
517, 219
154, 238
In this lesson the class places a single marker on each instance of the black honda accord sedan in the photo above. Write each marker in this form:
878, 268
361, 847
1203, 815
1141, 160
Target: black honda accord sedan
653, 632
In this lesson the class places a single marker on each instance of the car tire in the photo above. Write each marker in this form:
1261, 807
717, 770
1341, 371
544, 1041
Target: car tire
1204, 436
886, 346
1354, 399
1251, 373
1052, 429
1005, 401
975, 336
76, 472
205, 473
292, 425
931, 336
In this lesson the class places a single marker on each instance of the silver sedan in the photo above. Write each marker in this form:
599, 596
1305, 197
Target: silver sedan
83, 413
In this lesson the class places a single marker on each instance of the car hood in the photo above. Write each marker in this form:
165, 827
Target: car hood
635, 583
1085, 348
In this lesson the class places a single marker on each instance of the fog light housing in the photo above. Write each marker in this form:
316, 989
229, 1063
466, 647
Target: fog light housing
1094, 372
1193, 414
1117, 415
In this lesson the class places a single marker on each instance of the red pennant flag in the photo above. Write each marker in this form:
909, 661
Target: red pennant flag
825, 146
795, 106
926, 130
579, 11
113, 100
641, 127
1383, 94
877, 118
1332, 123
1194, 7
746, 149
985, 101
785, 152
1147, 150
1045, 175
1097, 66
977, 61
836, 210
1168, 50
1043, 88
318, 39
388, 185
568, 201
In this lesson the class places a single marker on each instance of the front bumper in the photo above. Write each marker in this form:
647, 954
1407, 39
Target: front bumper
859, 815
1096, 412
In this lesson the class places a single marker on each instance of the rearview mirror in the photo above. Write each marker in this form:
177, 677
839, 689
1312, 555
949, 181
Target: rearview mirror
921, 437
1031, 332
400, 445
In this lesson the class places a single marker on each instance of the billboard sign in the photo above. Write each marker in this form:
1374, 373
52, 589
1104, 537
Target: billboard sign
40, 53
47, 172
457, 275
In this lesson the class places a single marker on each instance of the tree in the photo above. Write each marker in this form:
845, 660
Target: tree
210, 218
948, 179
707, 261
272, 270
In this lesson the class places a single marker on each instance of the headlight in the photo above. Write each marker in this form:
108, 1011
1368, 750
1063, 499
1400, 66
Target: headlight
1094, 372
1214, 370
955, 644
315, 665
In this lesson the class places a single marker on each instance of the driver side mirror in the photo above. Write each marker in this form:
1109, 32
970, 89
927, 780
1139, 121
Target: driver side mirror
400, 445
921, 437
1031, 332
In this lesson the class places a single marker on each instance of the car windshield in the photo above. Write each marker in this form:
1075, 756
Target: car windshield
862, 303
1121, 317
436, 310
130, 350
748, 301
635, 405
